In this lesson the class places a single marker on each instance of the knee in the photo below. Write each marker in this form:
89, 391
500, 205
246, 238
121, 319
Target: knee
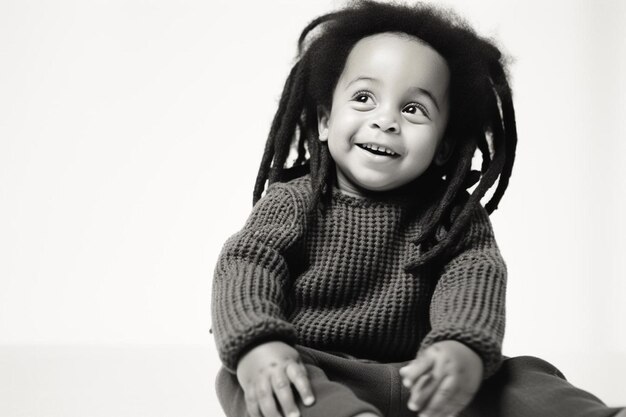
531, 363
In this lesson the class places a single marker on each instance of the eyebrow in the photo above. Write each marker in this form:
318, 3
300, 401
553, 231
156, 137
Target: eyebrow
412, 89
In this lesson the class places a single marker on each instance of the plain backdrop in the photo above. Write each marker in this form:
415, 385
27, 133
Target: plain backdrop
130, 136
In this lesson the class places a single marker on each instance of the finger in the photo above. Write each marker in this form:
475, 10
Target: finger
422, 391
252, 405
415, 369
282, 389
296, 372
448, 399
265, 398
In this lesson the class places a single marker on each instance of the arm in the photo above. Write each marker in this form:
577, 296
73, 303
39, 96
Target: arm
467, 326
247, 295
468, 304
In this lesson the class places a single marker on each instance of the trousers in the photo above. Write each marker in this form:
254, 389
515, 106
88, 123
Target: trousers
344, 386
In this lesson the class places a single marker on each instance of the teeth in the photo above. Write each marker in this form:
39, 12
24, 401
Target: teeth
378, 148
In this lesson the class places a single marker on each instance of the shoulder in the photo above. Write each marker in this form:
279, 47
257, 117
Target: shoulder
297, 191
284, 201
476, 231
479, 233
479, 223
300, 187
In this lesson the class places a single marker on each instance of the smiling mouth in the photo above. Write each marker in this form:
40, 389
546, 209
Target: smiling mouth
377, 150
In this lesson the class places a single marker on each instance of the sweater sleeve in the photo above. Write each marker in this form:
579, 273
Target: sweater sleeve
468, 303
248, 301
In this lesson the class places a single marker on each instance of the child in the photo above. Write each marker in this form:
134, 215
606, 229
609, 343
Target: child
367, 281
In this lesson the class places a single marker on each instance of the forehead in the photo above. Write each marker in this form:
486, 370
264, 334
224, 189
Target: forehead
399, 57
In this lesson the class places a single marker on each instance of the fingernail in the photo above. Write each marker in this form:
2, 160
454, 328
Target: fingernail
294, 414
412, 406
308, 401
406, 382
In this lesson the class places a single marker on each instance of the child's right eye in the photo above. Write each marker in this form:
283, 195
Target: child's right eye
362, 96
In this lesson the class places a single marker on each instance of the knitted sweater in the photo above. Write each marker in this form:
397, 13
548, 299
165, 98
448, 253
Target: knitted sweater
335, 281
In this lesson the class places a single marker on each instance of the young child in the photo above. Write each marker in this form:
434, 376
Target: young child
367, 281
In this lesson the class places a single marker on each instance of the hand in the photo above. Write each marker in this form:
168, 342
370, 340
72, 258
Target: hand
443, 379
267, 370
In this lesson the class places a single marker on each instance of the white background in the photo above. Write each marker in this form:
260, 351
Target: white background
130, 136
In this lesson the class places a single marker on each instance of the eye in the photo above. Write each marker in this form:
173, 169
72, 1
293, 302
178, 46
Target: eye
416, 108
362, 96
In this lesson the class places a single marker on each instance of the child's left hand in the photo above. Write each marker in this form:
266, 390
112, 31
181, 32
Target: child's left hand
443, 379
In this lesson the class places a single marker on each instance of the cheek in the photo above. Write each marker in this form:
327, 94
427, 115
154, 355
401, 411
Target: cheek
423, 147
345, 123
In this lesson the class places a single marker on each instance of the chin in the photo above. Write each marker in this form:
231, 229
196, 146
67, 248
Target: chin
378, 189
377, 186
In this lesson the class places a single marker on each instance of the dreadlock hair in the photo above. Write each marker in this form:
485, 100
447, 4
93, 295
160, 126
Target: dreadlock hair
481, 114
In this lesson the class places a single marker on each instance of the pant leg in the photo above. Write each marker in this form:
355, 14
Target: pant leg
378, 384
526, 386
332, 398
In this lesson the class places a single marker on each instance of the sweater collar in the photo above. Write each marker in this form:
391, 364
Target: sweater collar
418, 193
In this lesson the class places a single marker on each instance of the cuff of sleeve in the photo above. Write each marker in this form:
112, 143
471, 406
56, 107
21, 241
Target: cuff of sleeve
234, 347
489, 350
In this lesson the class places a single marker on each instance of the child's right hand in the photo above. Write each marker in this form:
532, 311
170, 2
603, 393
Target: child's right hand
269, 369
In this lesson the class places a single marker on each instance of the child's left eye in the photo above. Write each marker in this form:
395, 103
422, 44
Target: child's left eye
413, 108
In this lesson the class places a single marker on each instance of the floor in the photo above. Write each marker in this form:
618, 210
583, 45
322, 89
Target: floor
101, 381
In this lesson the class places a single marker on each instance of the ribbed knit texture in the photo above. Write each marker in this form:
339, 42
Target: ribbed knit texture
335, 281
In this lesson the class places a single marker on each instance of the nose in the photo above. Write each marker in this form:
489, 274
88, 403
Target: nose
386, 122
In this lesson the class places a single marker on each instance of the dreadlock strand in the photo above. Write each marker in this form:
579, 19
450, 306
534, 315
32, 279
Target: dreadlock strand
445, 246
325, 165
300, 146
264, 168
483, 146
320, 183
268, 153
510, 137
455, 183
287, 129
315, 168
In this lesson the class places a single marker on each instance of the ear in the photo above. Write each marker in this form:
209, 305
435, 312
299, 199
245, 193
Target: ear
322, 123
444, 151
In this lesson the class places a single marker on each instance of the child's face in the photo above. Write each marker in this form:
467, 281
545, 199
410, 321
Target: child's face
388, 115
